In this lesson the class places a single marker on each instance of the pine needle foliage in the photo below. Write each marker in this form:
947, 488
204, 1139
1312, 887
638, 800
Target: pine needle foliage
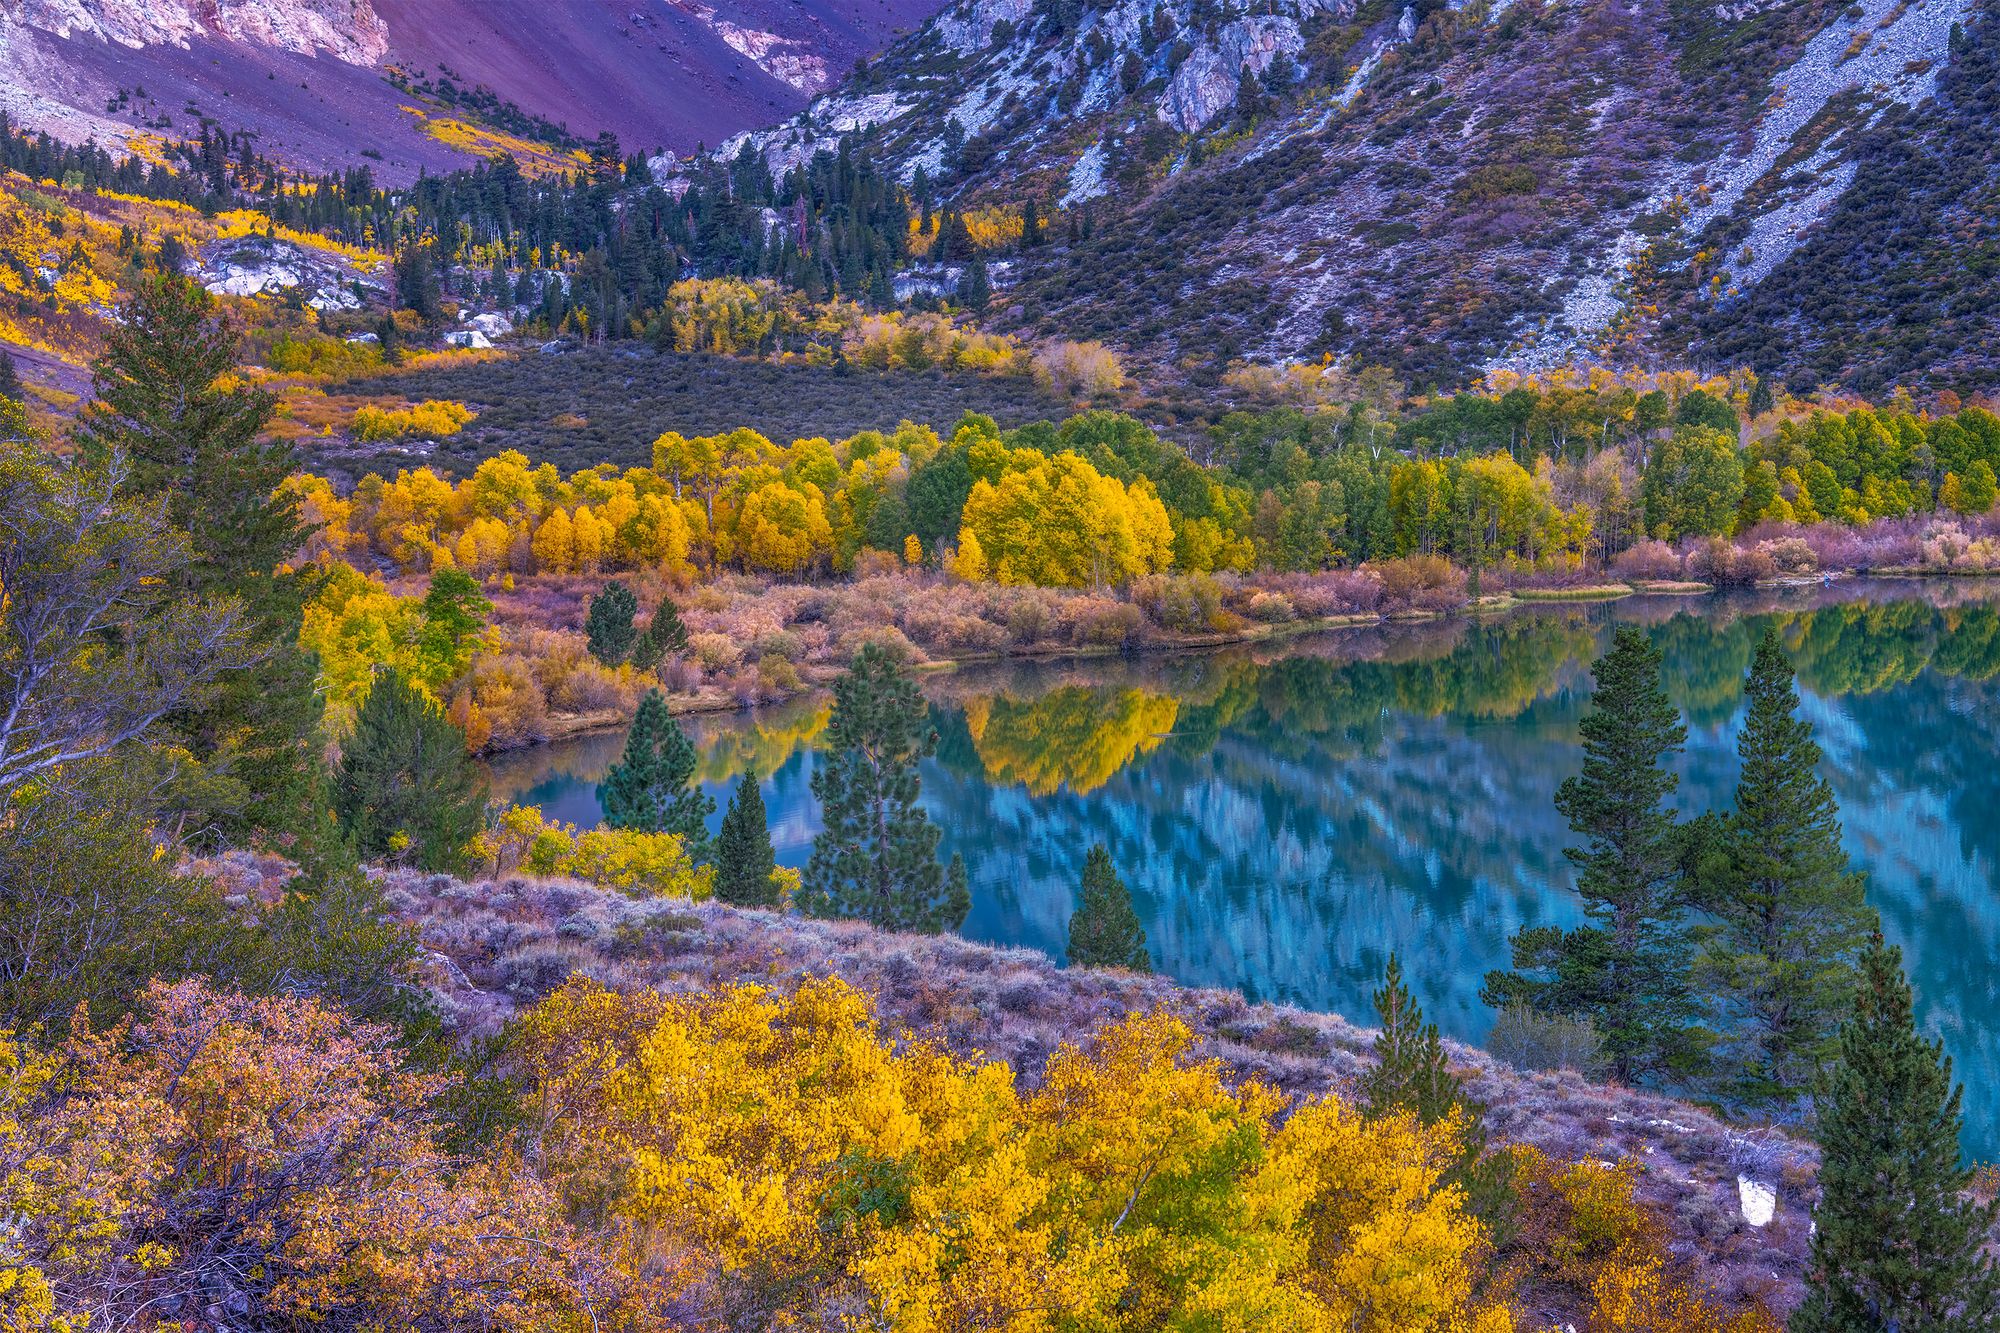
651, 789
875, 858
1791, 919
405, 787
1627, 968
1104, 931
745, 865
1898, 1243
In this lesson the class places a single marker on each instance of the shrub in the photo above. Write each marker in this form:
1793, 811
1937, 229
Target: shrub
1530, 1040
1420, 582
1726, 565
1649, 559
715, 652
1099, 622
1181, 603
1790, 555
1270, 608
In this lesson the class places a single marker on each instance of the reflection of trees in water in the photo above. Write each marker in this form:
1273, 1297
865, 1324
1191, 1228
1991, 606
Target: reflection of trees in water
1071, 737
1318, 805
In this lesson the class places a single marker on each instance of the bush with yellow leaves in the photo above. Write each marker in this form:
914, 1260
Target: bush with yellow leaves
647, 865
434, 418
785, 1164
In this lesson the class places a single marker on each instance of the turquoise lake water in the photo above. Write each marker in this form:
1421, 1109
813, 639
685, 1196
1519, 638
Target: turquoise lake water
1286, 817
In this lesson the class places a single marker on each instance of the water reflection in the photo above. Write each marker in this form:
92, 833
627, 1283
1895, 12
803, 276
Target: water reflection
1288, 816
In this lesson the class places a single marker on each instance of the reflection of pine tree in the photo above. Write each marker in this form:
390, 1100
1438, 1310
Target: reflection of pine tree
1105, 931
1897, 1244
1626, 970
745, 865
651, 788
1790, 914
876, 857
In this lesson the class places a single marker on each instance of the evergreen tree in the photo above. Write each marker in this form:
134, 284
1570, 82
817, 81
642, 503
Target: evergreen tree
652, 788
1791, 916
665, 633
1897, 1244
1626, 969
1411, 1074
745, 866
609, 624
1104, 931
196, 443
977, 288
405, 784
10, 379
876, 856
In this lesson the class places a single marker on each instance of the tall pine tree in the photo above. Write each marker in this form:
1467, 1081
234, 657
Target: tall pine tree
745, 866
195, 439
405, 785
652, 788
1104, 931
1790, 915
1897, 1243
876, 856
1626, 970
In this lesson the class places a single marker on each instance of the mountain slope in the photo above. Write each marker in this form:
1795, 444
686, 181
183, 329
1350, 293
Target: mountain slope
1440, 187
308, 76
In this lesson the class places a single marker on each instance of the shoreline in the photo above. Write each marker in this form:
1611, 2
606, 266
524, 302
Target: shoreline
576, 726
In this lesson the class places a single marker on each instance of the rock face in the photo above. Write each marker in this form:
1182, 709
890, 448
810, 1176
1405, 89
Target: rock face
1206, 83
348, 30
253, 266
1457, 188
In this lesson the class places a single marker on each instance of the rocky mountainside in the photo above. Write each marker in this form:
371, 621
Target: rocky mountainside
1445, 186
315, 79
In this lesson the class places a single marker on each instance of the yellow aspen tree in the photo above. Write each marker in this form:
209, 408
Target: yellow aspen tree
555, 544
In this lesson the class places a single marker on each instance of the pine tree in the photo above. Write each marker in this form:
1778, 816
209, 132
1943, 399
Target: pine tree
405, 775
665, 633
1626, 970
1897, 1243
1791, 915
608, 625
745, 865
1411, 1074
876, 856
977, 288
651, 788
1104, 931
10, 379
195, 441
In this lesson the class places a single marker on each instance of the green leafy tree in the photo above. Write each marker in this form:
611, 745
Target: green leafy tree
1104, 931
1411, 1074
1693, 484
1791, 915
875, 858
1897, 1242
609, 625
652, 789
405, 786
665, 633
1626, 969
745, 866
196, 442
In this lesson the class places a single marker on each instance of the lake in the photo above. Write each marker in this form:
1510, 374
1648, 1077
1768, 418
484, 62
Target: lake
1288, 816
